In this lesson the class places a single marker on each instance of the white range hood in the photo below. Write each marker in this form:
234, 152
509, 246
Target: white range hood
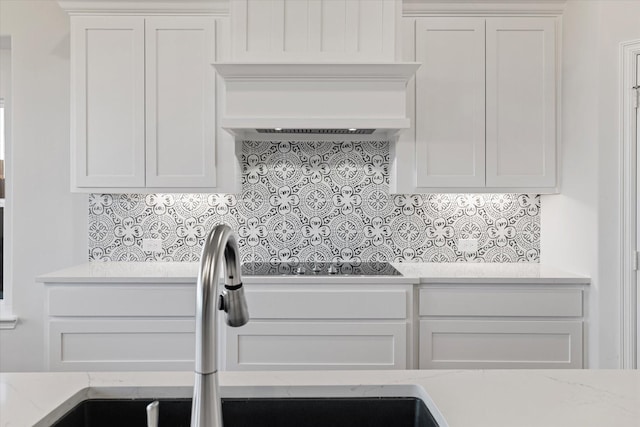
326, 98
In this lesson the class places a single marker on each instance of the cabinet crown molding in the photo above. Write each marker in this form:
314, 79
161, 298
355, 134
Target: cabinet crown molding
141, 7
414, 8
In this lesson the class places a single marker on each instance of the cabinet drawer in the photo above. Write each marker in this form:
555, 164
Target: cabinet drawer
454, 344
300, 346
326, 302
122, 300
121, 345
500, 302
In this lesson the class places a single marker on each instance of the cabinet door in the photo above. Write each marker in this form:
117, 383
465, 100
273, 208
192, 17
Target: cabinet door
450, 102
521, 105
95, 344
500, 344
180, 102
299, 345
107, 84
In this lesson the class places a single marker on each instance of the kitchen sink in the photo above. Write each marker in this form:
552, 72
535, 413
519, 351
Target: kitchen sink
259, 412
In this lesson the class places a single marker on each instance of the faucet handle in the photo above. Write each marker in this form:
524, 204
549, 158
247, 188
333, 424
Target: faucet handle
153, 410
234, 303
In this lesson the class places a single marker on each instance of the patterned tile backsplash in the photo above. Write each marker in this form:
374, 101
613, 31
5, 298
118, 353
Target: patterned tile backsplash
318, 200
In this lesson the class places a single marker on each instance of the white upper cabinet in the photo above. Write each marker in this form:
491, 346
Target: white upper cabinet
314, 30
485, 106
144, 104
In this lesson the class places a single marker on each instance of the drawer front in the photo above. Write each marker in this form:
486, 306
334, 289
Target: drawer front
472, 301
325, 302
464, 344
302, 346
121, 345
122, 300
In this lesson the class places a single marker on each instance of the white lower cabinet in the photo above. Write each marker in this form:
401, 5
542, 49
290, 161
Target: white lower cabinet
500, 326
323, 327
150, 326
120, 327
137, 326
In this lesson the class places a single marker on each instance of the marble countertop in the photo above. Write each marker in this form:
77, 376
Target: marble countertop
186, 272
487, 273
473, 398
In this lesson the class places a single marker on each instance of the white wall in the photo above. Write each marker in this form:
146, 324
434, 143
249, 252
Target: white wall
49, 223
580, 227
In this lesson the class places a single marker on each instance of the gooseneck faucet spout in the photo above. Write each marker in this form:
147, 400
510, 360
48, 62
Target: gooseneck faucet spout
220, 249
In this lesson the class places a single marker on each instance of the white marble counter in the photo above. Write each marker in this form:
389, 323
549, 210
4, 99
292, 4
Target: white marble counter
181, 272
493, 398
487, 273
187, 272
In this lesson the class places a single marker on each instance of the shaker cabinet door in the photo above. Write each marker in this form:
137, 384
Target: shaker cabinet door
180, 102
521, 102
107, 74
450, 102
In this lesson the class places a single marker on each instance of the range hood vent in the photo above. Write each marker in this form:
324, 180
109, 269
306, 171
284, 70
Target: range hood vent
315, 98
319, 131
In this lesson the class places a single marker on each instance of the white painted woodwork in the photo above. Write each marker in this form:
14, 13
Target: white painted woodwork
147, 326
145, 7
295, 302
315, 95
144, 104
449, 144
263, 345
517, 64
121, 300
503, 344
180, 102
314, 30
107, 92
323, 327
508, 326
521, 102
115, 326
123, 326
637, 218
498, 301
416, 8
120, 344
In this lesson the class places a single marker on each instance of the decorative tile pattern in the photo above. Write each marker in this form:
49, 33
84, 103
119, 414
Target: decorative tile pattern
323, 201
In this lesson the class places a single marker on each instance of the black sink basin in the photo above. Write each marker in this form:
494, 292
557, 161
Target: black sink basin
260, 412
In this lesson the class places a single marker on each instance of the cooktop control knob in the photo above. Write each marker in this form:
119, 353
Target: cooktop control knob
300, 270
332, 269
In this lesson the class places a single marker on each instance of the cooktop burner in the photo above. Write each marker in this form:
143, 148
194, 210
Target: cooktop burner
318, 269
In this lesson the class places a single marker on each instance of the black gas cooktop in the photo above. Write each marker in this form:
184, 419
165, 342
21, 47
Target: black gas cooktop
318, 269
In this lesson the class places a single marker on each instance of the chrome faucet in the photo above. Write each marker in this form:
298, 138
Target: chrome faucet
220, 245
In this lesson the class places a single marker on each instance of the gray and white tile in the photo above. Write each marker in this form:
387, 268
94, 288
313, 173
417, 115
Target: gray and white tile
318, 200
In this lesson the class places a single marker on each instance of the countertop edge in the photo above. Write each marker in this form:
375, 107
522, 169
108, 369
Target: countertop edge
412, 273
